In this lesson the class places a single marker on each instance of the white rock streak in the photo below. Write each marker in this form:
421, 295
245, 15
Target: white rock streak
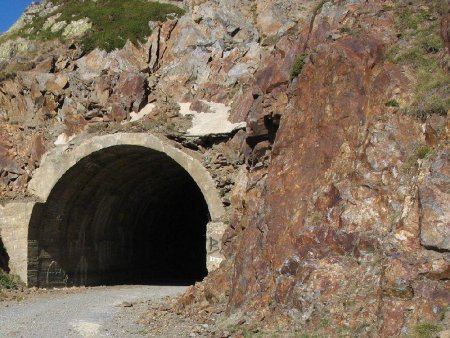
215, 122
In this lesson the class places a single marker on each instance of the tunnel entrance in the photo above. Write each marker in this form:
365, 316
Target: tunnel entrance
122, 215
4, 258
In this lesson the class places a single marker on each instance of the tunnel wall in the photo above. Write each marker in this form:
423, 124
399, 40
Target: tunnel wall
15, 217
14, 220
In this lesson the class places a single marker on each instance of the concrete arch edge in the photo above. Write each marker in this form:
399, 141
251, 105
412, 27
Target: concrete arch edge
59, 160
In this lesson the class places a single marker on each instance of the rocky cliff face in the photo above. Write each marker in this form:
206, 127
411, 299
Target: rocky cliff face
334, 167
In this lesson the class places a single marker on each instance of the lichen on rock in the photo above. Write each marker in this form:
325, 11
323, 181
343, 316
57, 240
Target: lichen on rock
76, 28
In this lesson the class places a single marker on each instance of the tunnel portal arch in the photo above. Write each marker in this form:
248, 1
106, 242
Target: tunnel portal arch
122, 208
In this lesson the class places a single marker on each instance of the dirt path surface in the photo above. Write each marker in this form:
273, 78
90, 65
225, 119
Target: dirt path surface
90, 312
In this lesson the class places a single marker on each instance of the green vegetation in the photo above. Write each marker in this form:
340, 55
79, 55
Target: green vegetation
316, 217
319, 6
348, 303
392, 103
426, 330
142, 332
410, 19
113, 21
421, 152
6, 281
444, 311
324, 322
299, 62
345, 30
419, 47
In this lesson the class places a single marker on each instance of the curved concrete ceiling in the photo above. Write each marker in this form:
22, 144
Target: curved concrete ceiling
59, 160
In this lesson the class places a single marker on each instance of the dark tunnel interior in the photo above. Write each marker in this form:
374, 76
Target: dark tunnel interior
122, 215
4, 258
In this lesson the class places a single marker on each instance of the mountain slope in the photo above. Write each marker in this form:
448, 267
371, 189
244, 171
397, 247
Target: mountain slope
337, 190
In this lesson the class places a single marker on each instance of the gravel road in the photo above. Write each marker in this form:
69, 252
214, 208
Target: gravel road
90, 312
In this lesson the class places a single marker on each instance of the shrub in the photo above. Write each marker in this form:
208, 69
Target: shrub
392, 103
433, 102
427, 330
6, 281
422, 152
432, 44
444, 311
410, 19
299, 62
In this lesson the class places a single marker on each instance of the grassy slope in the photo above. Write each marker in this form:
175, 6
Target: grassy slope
421, 47
114, 21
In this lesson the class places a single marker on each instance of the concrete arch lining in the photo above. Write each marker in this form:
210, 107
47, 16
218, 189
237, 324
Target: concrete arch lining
59, 160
